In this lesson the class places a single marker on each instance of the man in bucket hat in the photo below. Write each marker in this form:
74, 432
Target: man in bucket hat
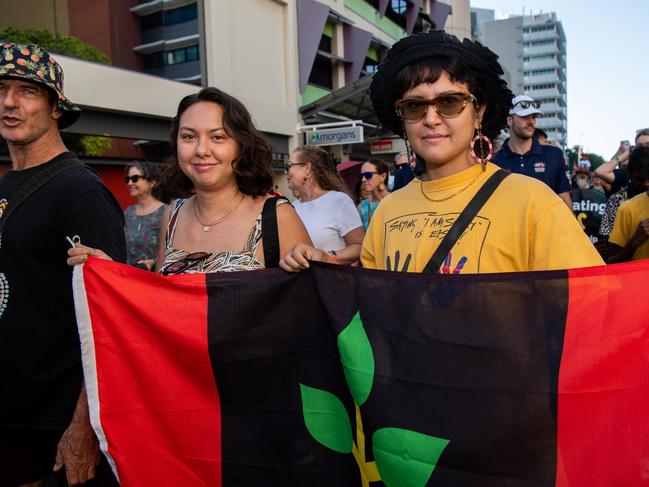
523, 154
46, 196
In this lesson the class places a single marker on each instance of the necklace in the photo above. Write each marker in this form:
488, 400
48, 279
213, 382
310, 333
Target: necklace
206, 226
421, 186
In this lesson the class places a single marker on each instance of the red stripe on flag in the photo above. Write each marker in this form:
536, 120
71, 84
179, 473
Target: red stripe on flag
158, 402
603, 432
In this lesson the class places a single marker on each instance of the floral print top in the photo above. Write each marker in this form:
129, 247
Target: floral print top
142, 234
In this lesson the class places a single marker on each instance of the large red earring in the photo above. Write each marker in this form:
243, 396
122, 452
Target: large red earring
482, 149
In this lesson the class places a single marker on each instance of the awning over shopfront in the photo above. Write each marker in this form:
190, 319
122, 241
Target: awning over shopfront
351, 102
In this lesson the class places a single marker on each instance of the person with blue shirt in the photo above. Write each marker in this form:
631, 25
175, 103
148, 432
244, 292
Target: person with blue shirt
523, 154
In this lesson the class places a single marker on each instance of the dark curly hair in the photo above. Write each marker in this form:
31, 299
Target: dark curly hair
252, 167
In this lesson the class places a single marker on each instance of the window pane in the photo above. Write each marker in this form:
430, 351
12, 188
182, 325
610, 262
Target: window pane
179, 56
322, 73
182, 14
151, 21
192, 53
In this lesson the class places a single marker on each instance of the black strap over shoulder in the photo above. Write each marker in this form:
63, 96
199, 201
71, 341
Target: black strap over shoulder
269, 232
33, 184
467, 215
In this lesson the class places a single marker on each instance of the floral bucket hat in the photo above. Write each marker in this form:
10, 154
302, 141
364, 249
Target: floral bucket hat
33, 63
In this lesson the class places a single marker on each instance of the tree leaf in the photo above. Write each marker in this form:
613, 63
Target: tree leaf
357, 358
406, 458
326, 419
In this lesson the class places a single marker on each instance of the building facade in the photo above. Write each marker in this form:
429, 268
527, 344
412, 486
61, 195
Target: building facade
288, 61
532, 49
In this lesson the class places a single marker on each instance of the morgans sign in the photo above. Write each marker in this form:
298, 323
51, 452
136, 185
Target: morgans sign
335, 136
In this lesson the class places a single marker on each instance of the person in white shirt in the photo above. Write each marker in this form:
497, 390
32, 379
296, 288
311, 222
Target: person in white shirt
327, 211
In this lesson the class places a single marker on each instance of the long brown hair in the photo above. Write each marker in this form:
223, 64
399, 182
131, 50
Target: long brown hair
324, 173
252, 167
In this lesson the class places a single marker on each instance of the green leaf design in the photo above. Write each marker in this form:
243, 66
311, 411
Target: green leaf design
406, 458
357, 358
326, 419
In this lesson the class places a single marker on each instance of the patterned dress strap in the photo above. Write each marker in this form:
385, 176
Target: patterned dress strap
173, 219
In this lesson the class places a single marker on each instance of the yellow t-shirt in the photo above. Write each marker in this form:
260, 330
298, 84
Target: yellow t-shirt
524, 226
629, 215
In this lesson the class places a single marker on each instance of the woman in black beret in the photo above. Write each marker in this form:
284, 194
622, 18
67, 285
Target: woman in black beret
448, 100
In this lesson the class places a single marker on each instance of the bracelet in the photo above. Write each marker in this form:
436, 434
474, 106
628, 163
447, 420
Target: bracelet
333, 255
616, 158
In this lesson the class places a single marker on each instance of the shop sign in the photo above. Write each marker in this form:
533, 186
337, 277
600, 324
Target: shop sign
335, 136
388, 146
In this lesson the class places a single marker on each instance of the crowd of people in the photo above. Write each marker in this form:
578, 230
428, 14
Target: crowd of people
454, 206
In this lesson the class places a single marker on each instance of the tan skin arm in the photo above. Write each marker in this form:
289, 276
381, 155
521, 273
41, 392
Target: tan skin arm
605, 171
297, 258
291, 229
78, 449
352, 252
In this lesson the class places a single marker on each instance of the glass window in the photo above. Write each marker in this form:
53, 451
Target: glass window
154, 60
179, 56
370, 65
151, 21
322, 73
180, 15
325, 44
396, 12
399, 6
192, 53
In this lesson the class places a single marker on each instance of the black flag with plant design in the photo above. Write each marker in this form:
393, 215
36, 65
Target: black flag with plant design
452, 379
347, 377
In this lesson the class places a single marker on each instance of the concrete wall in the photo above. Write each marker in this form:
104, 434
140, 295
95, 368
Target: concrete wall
251, 50
459, 23
504, 37
119, 90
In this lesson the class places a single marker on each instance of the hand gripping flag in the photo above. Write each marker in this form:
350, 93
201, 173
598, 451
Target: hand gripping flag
336, 376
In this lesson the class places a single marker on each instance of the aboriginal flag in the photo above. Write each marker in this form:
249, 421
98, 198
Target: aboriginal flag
343, 377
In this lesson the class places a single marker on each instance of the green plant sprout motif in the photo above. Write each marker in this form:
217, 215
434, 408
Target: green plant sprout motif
402, 458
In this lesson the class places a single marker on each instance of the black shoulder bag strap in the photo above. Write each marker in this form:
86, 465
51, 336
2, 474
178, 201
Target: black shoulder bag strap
467, 215
269, 233
33, 184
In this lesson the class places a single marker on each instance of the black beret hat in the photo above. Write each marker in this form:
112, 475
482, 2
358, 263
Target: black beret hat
438, 43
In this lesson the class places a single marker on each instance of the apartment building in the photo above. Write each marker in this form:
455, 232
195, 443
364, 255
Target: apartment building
532, 49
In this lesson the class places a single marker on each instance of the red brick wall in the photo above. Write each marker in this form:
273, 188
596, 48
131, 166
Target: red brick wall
110, 26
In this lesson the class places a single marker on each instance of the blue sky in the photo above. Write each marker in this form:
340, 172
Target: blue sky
607, 64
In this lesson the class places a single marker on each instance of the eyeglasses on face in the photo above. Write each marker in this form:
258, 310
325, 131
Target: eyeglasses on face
290, 164
447, 105
368, 175
134, 179
526, 104
189, 261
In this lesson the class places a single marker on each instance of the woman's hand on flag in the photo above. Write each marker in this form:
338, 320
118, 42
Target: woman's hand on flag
299, 256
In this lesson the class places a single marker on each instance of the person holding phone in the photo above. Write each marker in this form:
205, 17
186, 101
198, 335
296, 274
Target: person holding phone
614, 171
